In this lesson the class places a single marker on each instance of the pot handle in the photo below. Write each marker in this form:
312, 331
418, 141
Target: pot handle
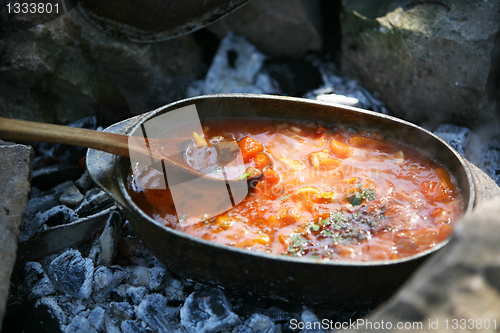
102, 166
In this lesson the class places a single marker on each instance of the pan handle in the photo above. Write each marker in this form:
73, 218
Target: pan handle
102, 166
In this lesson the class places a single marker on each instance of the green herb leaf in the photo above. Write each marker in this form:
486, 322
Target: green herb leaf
285, 197
244, 176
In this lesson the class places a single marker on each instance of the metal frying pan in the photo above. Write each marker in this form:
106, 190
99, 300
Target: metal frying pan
307, 281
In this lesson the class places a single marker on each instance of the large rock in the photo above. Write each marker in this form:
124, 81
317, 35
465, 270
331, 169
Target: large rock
66, 69
430, 61
276, 27
15, 176
461, 282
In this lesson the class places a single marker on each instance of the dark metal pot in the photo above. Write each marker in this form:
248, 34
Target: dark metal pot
154, 20
306, 281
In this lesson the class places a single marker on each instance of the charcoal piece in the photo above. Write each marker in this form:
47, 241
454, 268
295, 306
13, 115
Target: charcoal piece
85, 182
96, 318
48, 177
175, 290
26, 317
129, 326
36, 282
154, 311
108, 278
295, 77
79, 324
151, 278
95, 200
72, 274
456, 136
71, 196
41, 221
208, 312
311, 322
258, 323
108, 241
53, 307
121, 310
132, 293
39, 204
111, 325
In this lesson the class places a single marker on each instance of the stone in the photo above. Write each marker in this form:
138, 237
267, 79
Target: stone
208, 311
72, 274
15, 175
458, 282
66, 69
276, 27
430, 61
156, 313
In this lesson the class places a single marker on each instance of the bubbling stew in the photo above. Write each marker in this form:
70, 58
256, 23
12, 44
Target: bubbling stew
325, 192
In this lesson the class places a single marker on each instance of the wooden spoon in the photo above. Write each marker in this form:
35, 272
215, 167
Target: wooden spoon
146, 150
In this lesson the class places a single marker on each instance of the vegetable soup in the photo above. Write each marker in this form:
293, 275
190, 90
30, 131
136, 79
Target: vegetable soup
325, 192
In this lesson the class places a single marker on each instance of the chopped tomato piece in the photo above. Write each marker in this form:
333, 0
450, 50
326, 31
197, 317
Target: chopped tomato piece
249, 148
445, 178
322, 159
433, 190
261, 161
340, 149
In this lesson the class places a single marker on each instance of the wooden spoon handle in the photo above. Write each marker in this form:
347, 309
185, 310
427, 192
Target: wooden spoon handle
15, 129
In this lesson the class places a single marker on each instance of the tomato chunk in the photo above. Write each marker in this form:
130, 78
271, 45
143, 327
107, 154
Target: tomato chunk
261, 161
249, 148
340, 149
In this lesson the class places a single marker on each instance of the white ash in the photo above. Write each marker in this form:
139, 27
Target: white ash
259, 323
208, 312
456, 136
236, 68
311, 322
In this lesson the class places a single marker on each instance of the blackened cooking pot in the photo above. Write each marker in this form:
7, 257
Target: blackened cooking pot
300, 280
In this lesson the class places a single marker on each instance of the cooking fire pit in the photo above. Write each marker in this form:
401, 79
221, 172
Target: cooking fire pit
81, 266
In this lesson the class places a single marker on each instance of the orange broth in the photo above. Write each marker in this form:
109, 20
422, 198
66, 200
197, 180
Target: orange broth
335, 193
